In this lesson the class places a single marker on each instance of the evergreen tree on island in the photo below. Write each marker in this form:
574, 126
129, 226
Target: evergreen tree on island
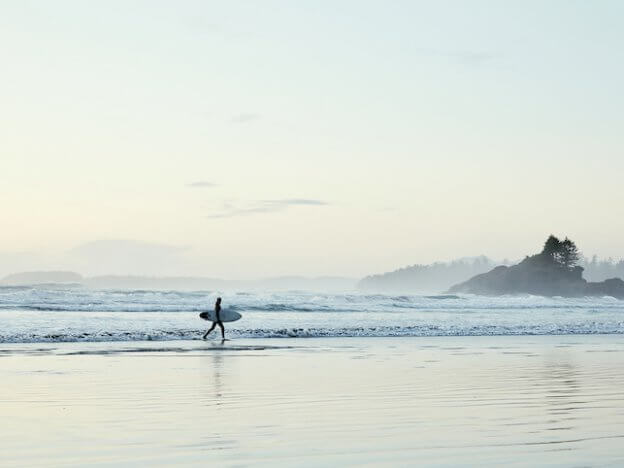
563, 253
569, 255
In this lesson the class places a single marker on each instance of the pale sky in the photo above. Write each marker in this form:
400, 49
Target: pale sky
244, 139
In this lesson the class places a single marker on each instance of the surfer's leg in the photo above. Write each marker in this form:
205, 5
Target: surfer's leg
214, 324
220, 323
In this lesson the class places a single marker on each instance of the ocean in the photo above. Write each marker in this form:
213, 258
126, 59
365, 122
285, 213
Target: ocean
55, 313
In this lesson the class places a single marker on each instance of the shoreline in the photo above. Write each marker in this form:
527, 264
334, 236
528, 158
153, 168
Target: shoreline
302, 337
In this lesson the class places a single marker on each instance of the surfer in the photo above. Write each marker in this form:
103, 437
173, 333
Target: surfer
218, 322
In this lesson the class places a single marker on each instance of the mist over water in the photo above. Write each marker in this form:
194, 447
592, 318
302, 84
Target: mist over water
51, 314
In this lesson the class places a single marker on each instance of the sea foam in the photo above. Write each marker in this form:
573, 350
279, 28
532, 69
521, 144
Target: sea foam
51, 314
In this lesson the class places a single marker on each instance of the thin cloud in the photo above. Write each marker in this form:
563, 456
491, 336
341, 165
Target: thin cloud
242, 212
126, 256
294, 201
244, 118
264, 206
201, 184
107, 248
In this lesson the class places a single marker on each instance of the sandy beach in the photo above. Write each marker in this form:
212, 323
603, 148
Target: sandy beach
436, 401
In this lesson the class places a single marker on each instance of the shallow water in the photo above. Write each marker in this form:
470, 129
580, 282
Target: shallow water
442, 401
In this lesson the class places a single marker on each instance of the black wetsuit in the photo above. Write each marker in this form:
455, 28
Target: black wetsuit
218, 322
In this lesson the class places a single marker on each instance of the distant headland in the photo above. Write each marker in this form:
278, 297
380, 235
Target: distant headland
427, 279
552, 272
193, 283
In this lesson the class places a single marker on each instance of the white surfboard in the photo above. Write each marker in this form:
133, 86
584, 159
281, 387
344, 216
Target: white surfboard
225, 314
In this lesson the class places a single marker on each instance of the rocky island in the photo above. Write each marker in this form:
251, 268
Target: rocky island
552, 272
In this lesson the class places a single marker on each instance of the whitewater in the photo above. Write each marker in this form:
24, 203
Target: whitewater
53, 313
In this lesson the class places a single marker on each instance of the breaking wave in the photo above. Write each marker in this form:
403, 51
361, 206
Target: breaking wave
55, 314
355, 332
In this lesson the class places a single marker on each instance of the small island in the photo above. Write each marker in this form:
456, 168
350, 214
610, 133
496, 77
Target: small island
552, 272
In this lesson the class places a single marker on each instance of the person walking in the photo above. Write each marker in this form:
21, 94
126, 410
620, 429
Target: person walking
218, 320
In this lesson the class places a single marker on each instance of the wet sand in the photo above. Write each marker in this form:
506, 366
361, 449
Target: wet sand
445, 401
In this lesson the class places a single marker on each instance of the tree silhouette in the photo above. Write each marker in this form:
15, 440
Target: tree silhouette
562, 253
568, 255
552, 247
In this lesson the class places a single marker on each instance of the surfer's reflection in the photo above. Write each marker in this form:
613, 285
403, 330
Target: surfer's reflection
217, 365
561, 388
213, 376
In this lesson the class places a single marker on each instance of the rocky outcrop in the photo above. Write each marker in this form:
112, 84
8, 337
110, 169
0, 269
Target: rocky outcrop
539, 275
